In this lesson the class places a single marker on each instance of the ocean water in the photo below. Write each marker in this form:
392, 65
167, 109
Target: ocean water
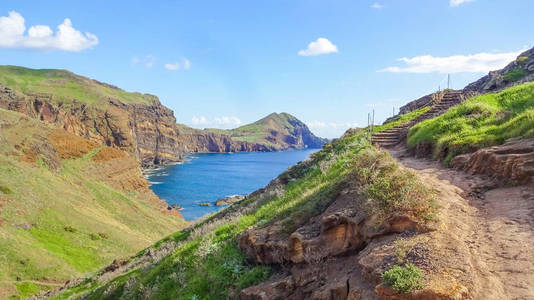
207, 177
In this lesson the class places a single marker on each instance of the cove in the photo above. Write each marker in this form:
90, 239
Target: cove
207, 177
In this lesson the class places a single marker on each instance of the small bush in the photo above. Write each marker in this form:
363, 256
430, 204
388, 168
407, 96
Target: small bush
392, 189
5, 190
514, 75
403, 279
94, 236
103, 235
70, 229
522, 60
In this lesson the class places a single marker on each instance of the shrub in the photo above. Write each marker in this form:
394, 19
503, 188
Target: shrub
70, 229
94, 236
392, 189
403, 279
103, 235
5, 190
514, 75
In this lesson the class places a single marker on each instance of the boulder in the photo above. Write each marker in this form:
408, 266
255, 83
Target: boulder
228, 200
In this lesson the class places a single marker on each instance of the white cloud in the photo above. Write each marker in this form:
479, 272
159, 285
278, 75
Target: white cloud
377, 5
330, 129
199, 121
472, 63
41, 37
147, 61
217, 122
172, 67
320, 46
185, 64
454, 3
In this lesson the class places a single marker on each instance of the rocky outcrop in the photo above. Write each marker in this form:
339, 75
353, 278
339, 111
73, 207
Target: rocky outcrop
228, 200
321, 259
146, 131
211, 142
519, 71
509, 163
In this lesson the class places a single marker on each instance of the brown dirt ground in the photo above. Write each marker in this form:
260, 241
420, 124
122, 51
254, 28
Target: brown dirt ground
495, 224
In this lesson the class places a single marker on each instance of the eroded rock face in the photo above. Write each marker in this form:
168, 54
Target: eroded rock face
320, 259
218, 143
510, 163
146, 131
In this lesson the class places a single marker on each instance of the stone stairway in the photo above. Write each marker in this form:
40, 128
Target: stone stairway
393, 136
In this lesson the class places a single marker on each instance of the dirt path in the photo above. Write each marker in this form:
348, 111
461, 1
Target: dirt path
49, 283
496, 226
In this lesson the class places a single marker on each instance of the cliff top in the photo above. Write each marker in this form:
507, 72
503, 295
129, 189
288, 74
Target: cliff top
65, 86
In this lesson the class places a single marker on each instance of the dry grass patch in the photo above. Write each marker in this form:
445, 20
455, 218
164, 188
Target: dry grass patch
69, 145
109, 153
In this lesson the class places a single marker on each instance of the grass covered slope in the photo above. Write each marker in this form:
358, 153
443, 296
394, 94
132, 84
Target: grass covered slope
205, 262
64, 86
402, 119
479, 122
67, 206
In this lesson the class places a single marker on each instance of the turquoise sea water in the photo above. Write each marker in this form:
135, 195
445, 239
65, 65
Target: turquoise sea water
210, 176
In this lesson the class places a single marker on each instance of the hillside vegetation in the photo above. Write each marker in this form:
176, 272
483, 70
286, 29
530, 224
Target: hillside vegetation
68, 206
275, 132
205, 262
479, 122
65, 86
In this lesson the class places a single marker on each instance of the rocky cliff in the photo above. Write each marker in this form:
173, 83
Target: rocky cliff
143, 127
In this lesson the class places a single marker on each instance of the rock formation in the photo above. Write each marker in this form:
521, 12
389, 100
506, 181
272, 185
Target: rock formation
146, 131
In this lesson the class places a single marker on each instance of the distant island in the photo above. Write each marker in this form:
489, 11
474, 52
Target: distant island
275, 132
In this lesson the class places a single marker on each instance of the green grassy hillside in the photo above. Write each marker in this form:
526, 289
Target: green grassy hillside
205, 262
479, 122
65, 86
60, 217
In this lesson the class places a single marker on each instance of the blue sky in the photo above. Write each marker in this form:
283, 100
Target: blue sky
225, 63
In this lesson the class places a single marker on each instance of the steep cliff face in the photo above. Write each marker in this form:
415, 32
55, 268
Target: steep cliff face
143, 127
206, 142
275, 132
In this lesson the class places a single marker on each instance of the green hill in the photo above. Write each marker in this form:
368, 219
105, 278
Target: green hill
479, 122
274, 132
65, 86
68, 206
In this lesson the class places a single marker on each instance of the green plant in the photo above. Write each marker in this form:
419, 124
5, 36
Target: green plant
103, 235
514, 75
522, 60
403, 279
5, 190
70, 229
403, 119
